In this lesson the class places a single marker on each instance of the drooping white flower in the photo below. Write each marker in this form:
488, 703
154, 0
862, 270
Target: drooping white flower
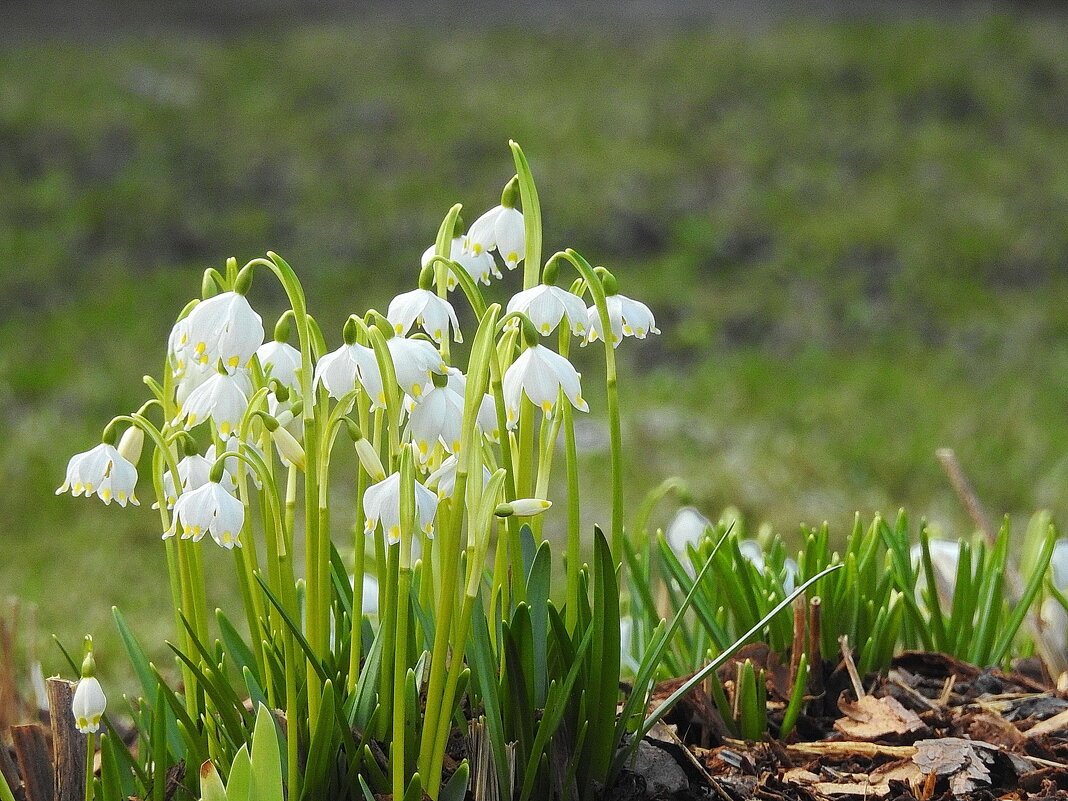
628, 317
500, 229
422, 306
479, 266
444, 478
339, 370
282, 411
547, 305
688, 527
88, 705
233, 466
221, 399
540, 374
438, 416
415, 361
381, 503
193, 472
222, 327
370, 595
208, 510
486, 419
283, 362
131, 443
102, 471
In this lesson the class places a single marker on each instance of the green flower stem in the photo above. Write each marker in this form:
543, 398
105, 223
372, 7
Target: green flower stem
469, 455
593, 283
387, 631
528, 194
359, 561
181, 594
463, 278
90, 766
400, 660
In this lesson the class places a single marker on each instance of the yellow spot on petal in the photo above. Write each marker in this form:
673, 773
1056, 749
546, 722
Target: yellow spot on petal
184, 339
88, 488
437, 334
417, 390
234, 361
512, 258
545, 329
547, 407
640, 332
423, 447
476, 248
105, 494
628, 330
122, 497
381, 398
224, 428
394, 533
78, 487
456, 446
200, 348
192, 418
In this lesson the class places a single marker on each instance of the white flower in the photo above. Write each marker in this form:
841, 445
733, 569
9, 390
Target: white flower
221, 399
209, 510
547, 305
524, 507
282, 411
688, 527
282, 360
193, 473
131, 443
422, 306
444, 478
414, 361
480, 267
370, 595
500, 228
88, 705
222, 327
232, 466
438, 415
628, 317
381, 503
339, 371
486, 419
102, 471
541, 373
289, 450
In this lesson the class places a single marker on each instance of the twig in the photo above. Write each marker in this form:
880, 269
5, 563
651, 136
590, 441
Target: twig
797, 648
851, 668
68, 744
948, 459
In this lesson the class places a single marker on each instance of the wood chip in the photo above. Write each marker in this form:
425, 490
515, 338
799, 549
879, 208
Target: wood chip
965, 762
1054, 725
871, 718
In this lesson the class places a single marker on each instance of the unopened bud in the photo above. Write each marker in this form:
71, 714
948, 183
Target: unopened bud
133, 440
288, 447
244, 281
510, 195
369, 459
524, 507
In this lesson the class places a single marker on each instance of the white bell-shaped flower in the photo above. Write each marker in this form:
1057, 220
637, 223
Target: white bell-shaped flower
282, 361
422, 306
628, 317
415, 361
486, 420
223, 327
370, 595
209, 510
443, 480
193, 472
221, 399
479, 266
438, 416
88, 705
340, 370
688, 527
381, 504
540, 374
500, 229
102, 471
232, 466
547, 305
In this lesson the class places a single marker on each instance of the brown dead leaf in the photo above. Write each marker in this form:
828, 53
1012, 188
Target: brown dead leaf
872, 718
989, 728
964, 762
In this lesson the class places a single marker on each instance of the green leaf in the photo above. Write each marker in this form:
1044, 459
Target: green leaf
239, 784
239, 652
484, 669
211, 784
322, 750
455, 788
266, 757
415, 789
538, 598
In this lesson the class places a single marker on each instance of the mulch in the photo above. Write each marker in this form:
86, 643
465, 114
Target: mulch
933, 728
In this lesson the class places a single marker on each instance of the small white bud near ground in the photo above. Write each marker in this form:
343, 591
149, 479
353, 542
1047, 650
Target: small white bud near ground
524, 507
88, 705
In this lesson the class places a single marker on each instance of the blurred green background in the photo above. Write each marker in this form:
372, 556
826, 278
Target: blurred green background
853, 235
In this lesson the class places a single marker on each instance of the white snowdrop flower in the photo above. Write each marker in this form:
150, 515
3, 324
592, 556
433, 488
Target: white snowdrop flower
176, 348
438, 415
444, 478
501, 229
131, 443
193, 473
232, 466
486, 419
381, 503
540, 374
547, 305
944, 557
283, 362
102, 471
222, 327
221, 399
282, 411
422, 306
340, 370
88, 705
415, 361
289, 450
479, 266
370, 595
688, 527
208, 510
626, 631
628, 317
754, 554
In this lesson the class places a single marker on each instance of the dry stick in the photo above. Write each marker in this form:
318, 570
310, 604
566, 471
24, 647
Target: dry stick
815, 652
797, 647
8, 772
1051, 657
851, 668
35, 765
68, 743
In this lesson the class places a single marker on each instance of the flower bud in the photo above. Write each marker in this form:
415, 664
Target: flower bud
288, 447
133, 440
369, 459
525, 507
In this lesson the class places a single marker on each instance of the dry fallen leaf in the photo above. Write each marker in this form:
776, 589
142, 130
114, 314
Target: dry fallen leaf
872, 718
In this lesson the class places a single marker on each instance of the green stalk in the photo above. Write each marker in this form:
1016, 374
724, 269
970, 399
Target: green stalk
90, 753
400, 661
358, 566
528, 194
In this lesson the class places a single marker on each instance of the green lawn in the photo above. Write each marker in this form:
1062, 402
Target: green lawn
854, 238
